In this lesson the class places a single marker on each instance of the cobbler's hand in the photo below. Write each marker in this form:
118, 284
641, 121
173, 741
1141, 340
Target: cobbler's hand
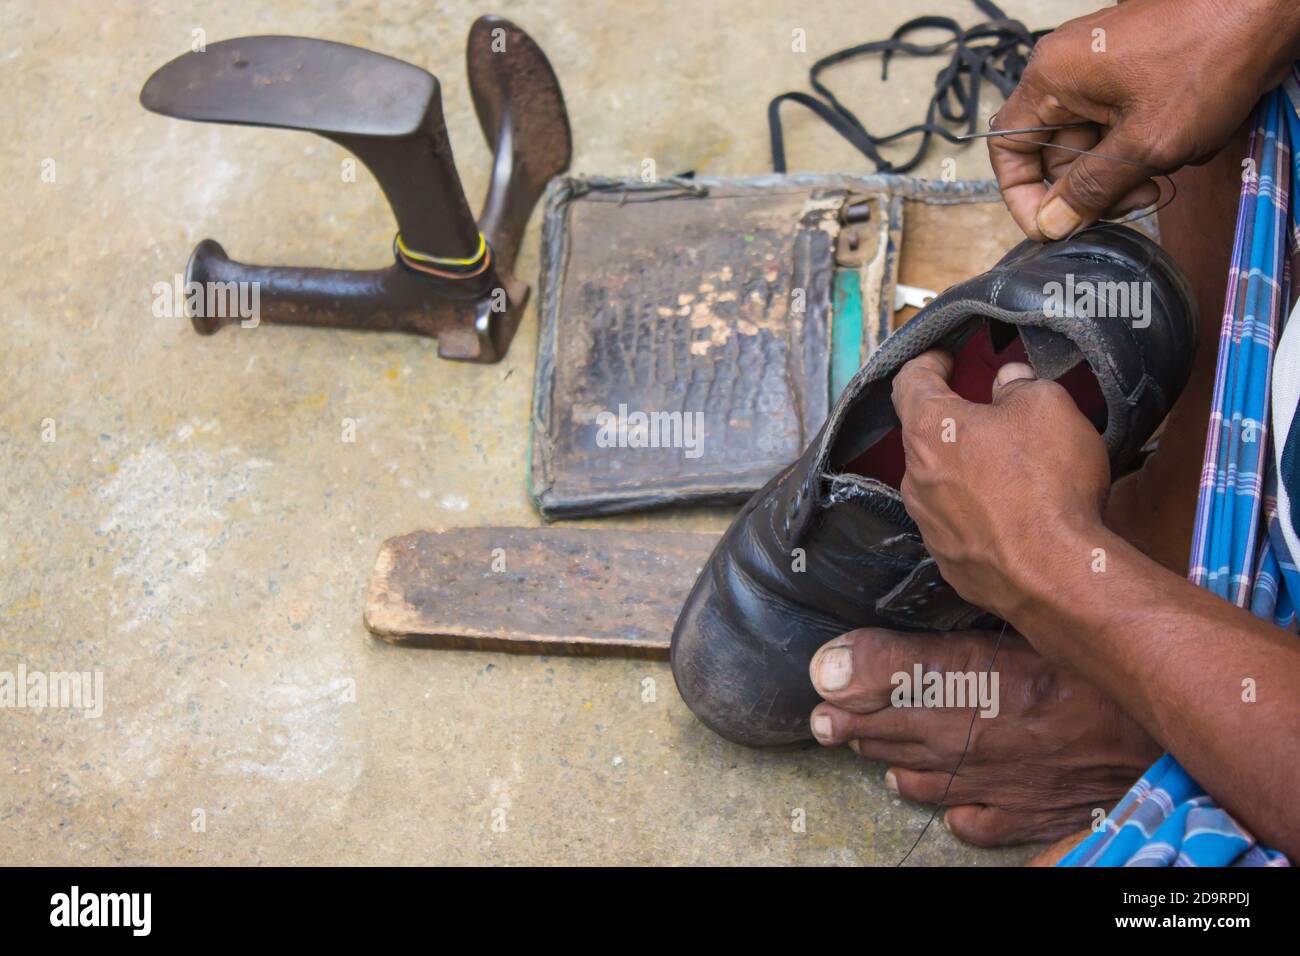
1002, 493
1167, 82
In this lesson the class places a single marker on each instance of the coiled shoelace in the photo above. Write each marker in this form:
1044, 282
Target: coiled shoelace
997, 51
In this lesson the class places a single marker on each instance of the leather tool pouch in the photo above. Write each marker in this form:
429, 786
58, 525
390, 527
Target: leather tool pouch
695, 331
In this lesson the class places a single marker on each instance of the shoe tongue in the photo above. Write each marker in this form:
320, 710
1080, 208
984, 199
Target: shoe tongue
1050, 353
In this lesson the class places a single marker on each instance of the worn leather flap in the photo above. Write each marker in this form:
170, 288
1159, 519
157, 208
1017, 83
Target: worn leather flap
1050, 353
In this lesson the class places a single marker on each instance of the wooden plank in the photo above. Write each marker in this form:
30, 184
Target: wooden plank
708, 304
535, 590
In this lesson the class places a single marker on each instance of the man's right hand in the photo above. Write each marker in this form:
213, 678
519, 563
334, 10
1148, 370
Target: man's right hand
1166, 83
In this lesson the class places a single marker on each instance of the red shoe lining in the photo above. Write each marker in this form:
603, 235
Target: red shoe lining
974, 370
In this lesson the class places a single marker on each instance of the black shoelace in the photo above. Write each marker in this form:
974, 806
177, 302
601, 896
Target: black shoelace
996, 51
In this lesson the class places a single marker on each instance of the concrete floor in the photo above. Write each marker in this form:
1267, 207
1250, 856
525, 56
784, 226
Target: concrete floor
197, 531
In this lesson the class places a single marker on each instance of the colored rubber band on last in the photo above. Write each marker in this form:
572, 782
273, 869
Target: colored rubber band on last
445, 267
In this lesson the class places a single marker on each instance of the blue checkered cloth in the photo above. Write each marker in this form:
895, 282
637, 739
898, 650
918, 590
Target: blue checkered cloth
1245, 537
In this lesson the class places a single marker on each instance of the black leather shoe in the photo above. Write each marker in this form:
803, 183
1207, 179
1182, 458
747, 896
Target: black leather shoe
828, 547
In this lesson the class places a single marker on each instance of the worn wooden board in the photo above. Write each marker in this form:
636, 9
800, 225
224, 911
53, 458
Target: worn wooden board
535, 590
708, 302
705, 304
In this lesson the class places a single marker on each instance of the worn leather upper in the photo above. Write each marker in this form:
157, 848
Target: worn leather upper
819, 552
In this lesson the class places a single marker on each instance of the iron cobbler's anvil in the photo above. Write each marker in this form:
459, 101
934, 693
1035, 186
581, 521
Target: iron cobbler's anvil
452, 277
